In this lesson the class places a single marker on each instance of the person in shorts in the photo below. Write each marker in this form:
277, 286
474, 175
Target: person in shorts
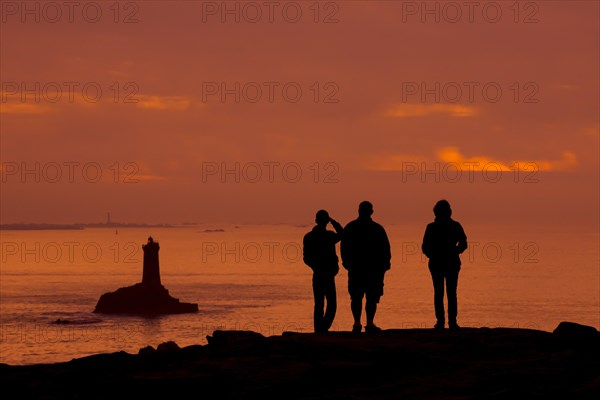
366, 254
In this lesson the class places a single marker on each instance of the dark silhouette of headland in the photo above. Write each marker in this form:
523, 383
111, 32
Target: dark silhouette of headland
470, 363
148, 297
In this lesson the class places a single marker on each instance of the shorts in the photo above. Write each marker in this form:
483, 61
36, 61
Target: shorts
369, 284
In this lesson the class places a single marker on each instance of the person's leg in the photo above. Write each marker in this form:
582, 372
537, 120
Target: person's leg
438, 296
451, 288
356, 291
319, 302
371, 309
330, 296
373, 295
356, 306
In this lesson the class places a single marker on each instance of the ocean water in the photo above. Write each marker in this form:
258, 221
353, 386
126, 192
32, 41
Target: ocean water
252, 277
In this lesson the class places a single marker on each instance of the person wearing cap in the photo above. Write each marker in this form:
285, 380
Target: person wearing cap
319, 254
443, 242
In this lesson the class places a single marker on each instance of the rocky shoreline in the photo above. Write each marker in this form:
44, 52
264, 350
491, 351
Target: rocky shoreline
497, 363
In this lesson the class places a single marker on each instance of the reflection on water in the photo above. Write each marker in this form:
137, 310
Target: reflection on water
253, 278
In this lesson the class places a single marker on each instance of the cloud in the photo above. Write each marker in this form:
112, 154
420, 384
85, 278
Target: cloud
452, 155
175, 103
422, 110
23, 108
148, 178
478, 163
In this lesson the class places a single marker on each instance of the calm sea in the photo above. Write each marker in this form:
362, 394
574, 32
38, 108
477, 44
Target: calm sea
252, 277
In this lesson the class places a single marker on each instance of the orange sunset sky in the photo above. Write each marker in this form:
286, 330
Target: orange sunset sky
357, 96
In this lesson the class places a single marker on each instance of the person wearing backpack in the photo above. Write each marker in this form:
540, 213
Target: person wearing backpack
443, 242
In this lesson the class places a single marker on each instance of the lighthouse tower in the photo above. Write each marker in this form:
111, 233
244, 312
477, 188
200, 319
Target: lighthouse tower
151, 273
149, 297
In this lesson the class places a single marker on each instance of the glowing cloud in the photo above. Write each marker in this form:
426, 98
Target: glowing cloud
176, 103
478, 163
452, 155
422, 110
23, 108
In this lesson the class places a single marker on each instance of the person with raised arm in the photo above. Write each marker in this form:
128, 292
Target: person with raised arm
319, 254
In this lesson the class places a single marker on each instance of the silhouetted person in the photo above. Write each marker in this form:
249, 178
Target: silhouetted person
443, 242
319, 255
366, 255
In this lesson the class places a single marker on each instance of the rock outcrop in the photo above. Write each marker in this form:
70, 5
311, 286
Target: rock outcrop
471, 363
148, 297
576, 331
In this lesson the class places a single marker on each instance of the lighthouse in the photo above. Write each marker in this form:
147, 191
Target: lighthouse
149, 297
151, 271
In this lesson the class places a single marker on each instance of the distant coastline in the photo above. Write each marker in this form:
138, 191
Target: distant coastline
79, 226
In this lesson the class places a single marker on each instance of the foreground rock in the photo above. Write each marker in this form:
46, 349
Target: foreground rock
575, 331
149, 297
416, 363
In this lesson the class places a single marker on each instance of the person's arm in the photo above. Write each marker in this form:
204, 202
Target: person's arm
307, 255
346, 249
387, 251
338, 229
462, 240
426, 246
